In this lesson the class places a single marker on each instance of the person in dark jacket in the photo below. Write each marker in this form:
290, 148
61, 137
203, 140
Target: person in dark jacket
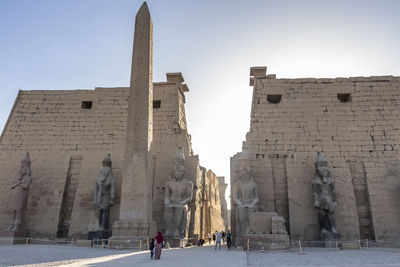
152, 248
229, 239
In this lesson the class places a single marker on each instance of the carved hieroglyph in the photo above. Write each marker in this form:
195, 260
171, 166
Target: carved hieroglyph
20, 193
104, 193
178, 193
324, 198
245, 197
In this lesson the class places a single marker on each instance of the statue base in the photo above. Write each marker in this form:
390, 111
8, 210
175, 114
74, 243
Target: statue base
131, 233
329, 238
13, 238
98, 235
176, 242
261, 242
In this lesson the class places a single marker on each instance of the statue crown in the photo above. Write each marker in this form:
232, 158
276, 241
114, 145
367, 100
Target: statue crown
107, 160
321, 160
26, 158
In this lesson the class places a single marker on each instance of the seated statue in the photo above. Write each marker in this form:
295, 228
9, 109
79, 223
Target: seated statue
104, 193
20, 193
324, 197
178, 193
245, 196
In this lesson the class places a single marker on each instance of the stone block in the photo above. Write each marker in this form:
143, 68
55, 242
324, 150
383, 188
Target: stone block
175, 77
266, 241
278, 225
83, 243
258, 71
350, 245
260, 222
175, 242
12, 238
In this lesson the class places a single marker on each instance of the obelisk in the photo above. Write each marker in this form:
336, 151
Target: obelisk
135, 216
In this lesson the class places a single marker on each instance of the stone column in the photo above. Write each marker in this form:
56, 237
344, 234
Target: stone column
135, 218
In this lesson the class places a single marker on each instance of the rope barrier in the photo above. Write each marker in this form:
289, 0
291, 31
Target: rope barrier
329, 244
142, 244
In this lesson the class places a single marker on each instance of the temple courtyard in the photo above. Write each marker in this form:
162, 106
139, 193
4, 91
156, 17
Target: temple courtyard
57, 255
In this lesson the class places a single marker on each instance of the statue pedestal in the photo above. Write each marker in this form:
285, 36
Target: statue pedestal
175, 242
131, 233
13, 238
98, 235
260, 242
266, 232
329, 238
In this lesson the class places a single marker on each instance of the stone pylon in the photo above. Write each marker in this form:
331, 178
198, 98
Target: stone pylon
135, 217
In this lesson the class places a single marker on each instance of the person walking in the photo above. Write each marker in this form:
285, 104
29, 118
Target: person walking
219, 237
214, 236
223, 237
182, 240
229, 239
209, 238
158, 246
152, 248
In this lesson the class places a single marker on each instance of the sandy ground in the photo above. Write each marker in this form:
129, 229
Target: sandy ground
313, 257
47, 255
56, 255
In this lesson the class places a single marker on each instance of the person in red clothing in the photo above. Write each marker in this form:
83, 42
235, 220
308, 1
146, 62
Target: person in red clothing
158, 245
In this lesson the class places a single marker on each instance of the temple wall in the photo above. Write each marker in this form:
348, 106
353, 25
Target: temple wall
53, 127
224, 205
67, 142
359, 135
217, 222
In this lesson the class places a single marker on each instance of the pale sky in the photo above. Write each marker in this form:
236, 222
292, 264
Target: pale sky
81, 44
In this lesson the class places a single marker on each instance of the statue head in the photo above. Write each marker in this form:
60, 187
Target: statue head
321, 168
178, 169
25, 165
245, 174
107, 167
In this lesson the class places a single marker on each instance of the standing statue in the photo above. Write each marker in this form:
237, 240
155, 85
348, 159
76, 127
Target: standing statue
104, 193
324, 198
178, 194
245, 196
20, 193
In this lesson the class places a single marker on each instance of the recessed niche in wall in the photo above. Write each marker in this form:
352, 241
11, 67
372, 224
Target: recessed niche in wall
274, 99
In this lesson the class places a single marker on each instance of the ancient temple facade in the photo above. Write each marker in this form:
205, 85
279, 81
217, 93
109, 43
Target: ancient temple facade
69, 132
354, 122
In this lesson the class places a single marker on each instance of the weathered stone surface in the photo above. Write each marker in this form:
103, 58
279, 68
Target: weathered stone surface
136, 201
353, 245
83, 243
384, 193
224, 209
261, 222
210, 208
245, 197
278, 225
10, 238
266, 231
352, 120
178, 193
266, 241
